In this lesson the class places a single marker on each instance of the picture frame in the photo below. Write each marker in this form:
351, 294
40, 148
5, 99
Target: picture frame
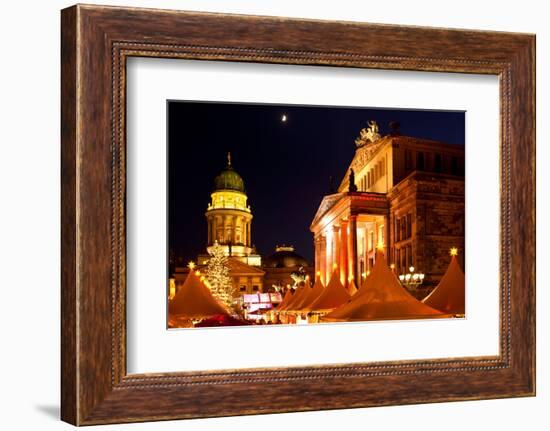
96, 41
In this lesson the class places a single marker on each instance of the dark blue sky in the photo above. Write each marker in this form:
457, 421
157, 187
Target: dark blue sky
285, 166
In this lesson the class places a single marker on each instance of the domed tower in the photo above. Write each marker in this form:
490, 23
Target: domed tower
229, 217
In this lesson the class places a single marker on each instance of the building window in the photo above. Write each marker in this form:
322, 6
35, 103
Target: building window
408, 159
396, 229
420, 161
255, 288
438, 163
242, 288
455, 170
383, 167
409, 225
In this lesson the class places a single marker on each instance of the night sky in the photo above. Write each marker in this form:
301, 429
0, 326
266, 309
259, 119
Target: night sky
285, 165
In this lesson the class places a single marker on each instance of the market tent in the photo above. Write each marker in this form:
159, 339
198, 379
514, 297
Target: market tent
352, 288
449, 294
194, 300
312, 295
381, 297
297, 297
332, 296
299, 303
287, 298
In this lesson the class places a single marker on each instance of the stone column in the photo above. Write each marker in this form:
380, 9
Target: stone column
336, 247
248, 239
317, 257
344, 252
387, 233
353, 245
224, 229
233, 230
323, 258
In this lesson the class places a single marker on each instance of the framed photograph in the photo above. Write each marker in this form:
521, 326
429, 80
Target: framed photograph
267, 215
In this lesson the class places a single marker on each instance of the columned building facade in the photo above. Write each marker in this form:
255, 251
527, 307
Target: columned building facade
402, 194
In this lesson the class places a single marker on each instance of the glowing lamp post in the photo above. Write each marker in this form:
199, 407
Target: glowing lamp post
412, 279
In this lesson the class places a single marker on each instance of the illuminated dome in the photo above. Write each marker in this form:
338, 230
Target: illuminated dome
229, 179
285, 257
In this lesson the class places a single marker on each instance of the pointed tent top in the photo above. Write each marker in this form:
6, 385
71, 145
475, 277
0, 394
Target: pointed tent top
311, 296
332, 296
194, 300
297, 297
229, 159
286, 299
381, 297
449, 295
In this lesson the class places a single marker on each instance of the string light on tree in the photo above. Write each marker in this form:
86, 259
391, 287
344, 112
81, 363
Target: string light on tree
217, 276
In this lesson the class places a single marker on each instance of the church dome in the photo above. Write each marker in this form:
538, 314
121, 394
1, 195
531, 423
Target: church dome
229, 179
284, 257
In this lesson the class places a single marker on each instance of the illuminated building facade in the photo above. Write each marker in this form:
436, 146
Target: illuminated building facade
229, 218
403, 193
229, 221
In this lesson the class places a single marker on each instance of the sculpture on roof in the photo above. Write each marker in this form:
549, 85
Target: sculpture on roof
368, 135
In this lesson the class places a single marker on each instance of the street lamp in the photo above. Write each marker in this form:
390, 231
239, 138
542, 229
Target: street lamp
412, 279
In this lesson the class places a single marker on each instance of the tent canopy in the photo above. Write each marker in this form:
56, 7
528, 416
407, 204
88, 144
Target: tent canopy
332, 296
299, 303
352, 288
311, 296
297, 297
194, 300
287, 298
449, 294
381, 297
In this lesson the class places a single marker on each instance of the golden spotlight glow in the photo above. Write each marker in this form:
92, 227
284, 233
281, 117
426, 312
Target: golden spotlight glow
453, 251
380, 246
318, 273
368, 273
197, 272
191, 264
363, 274
392, 266
334, 265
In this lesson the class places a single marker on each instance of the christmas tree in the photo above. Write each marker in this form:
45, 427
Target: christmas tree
217, 274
